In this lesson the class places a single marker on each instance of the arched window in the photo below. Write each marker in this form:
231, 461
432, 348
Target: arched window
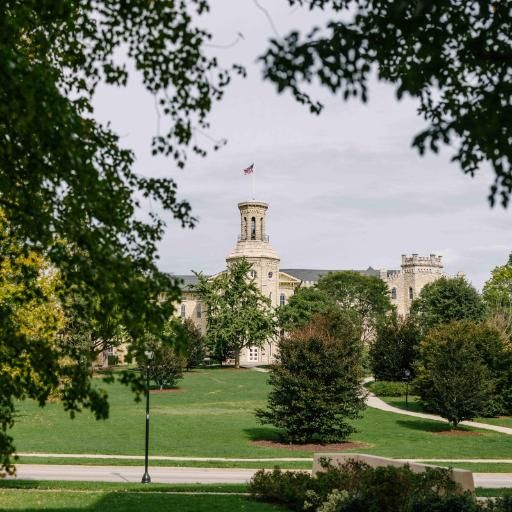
261, 228
245, 228
282, 299
183, 310
393, 293
270, 296
198, 311
270, 275
411, 293
253, 228
254, 274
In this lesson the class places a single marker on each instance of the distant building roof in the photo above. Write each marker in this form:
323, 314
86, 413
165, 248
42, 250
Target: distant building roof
313, 275
187, 282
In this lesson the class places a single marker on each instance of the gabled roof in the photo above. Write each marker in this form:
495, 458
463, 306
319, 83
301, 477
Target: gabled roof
313, 275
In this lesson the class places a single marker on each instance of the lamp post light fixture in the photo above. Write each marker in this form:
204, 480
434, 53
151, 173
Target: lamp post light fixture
146, 479
407, 374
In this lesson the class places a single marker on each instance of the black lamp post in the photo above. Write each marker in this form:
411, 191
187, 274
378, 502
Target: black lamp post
407, 374
146, 479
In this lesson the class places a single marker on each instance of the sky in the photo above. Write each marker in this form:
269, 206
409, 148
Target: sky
345, 189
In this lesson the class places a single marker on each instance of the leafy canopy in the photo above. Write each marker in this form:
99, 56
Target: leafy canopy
497, 297
367, 295
445, 300
394, 349
302, 306
238, 314
454, 374
497, 292
454, 57
68, 189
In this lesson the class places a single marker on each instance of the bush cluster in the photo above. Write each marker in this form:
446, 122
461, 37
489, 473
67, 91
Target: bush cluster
357, 487
387, 388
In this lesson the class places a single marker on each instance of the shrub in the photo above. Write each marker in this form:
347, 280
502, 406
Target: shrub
316, 385
289, 488
386, 388
450, 503
357, 487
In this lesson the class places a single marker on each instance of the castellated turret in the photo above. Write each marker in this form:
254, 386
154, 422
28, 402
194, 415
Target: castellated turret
405, 284
254, 245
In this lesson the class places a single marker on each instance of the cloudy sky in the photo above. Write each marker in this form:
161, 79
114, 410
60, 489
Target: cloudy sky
345, 189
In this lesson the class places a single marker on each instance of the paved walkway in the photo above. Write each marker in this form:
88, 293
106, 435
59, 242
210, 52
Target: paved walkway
180, 475
377, 403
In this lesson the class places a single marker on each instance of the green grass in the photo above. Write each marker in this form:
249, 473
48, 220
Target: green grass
97, 496
126, 501
491, 493
415, 406
111, 486
212, 415
502, 421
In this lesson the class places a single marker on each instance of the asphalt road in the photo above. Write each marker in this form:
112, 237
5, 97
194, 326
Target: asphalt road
180, 475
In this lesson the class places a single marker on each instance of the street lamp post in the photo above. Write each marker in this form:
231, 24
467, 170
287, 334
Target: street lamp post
407, 374
146, 479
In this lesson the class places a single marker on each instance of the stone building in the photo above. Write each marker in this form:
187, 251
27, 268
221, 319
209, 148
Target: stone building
278, 284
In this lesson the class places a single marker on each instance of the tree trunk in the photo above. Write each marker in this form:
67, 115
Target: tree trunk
237, 358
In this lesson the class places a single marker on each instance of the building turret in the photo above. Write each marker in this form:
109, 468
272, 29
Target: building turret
253, 245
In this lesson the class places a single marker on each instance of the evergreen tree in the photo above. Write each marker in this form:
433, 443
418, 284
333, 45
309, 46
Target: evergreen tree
195, 342
315, 384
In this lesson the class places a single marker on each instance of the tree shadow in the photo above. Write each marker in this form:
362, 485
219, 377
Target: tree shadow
425, 425
265, 434
127, 501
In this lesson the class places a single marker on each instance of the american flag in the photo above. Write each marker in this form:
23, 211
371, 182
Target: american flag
249, 170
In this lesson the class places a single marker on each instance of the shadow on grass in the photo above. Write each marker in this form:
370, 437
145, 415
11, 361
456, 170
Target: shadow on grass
425, 425
135, 501
265, 434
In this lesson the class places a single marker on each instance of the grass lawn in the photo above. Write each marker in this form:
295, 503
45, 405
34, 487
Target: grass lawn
415, 406
96, 497
211, 415
125, 502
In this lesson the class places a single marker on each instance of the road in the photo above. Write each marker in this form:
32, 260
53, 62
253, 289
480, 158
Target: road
181, 475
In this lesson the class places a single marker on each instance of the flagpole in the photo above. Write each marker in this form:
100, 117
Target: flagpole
253, 194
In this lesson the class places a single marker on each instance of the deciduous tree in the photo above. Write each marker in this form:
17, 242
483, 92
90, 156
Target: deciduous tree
302, 306
238, 314
395, 348
453, 57
68, 189
445, 300
367, 295
454, 379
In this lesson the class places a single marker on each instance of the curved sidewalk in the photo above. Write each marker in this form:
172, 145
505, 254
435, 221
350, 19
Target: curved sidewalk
377, 403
